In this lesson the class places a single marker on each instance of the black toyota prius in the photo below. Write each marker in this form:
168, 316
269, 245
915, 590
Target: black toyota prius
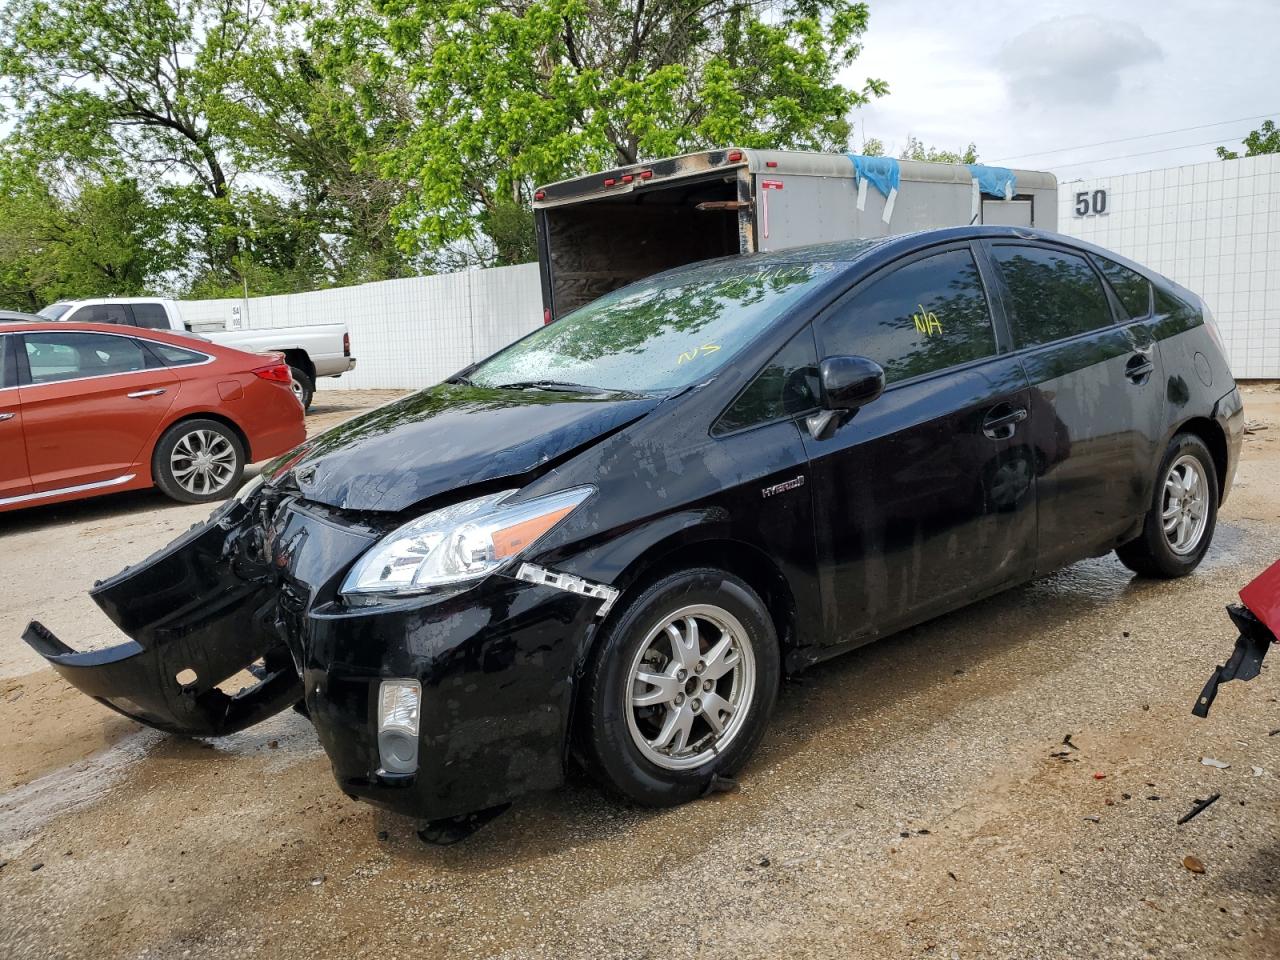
607, 543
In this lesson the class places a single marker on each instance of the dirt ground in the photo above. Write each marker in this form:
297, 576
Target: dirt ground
912, 799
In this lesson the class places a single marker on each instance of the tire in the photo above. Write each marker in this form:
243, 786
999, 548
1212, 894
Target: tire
616, 738
214, 478
304, 387
1157, 553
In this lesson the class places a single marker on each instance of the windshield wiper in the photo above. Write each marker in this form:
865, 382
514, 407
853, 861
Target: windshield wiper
556, 386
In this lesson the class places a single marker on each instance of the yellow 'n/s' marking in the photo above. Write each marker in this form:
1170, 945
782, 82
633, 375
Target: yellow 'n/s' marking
926, 321
701, 351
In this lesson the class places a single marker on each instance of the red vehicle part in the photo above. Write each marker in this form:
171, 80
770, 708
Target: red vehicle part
1258, 620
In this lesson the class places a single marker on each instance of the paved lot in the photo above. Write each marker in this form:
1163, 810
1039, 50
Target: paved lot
911, 799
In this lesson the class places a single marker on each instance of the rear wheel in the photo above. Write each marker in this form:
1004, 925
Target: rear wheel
1184, 511
304, 388
680, 688
198, 461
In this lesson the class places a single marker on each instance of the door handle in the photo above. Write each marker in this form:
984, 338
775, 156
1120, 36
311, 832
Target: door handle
1000, 426
6, 416
1139, 367
140, 394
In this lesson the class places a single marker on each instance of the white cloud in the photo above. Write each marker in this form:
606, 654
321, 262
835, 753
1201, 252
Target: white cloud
1076, 59
1033, 83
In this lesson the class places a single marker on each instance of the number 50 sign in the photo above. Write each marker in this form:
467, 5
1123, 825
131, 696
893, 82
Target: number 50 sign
1090, 204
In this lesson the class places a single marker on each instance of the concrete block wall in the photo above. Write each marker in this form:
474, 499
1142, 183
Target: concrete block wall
1213, 227
404, 333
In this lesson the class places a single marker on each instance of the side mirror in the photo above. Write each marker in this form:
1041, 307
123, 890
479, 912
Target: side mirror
849, 382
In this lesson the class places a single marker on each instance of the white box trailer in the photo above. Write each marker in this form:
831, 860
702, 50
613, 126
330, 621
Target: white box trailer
601, 231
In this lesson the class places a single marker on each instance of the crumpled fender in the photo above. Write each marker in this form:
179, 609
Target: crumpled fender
198, 612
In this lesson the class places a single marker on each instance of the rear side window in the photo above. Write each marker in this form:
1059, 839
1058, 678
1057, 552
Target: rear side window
176, 356
151, 316
1132, 289
104, 313
1055, 294
69, 356
925, 316
786, 387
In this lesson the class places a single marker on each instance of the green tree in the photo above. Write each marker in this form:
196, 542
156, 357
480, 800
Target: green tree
916, 150
1266, 139
509, 96
142, 80
65, 237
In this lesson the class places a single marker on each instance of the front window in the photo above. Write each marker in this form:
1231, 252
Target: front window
53, 356
659, 334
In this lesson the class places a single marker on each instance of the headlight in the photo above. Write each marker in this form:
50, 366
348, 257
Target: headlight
463, 542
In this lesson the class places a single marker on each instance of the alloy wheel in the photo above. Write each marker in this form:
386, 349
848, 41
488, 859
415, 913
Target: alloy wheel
1184, 510
690, 687
203, 462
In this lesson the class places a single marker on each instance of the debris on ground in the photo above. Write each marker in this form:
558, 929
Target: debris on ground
1193, 864
1219, 764
719, 784
1199, 807
1257, 771
1255, 426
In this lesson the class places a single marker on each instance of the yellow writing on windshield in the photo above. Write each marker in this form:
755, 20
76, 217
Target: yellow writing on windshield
697, 352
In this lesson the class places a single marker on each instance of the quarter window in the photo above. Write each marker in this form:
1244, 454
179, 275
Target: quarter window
151, 316
925, 316
68, 356
1132, 289
1055, 294
786, 387
176, 356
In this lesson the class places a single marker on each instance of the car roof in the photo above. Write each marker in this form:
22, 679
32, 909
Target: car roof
9, 316
39, 324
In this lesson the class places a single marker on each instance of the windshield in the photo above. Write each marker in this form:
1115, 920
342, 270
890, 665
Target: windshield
54, 310
658, 334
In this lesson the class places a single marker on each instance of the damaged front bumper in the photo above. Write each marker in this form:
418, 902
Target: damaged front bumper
255, 588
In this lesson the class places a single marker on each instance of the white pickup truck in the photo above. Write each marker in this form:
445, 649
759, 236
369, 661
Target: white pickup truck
322, 350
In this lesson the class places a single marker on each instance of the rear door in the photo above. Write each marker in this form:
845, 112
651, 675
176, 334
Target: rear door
924, 499
15, 480
90, 404
1097, 398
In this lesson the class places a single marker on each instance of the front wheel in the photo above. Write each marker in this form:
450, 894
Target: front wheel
680, 688
198, 461
1184, 511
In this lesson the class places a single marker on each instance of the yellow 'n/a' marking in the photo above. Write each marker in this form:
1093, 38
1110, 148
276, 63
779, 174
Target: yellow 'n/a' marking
926, 321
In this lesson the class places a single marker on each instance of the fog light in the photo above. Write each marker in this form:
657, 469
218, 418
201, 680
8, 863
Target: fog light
399, 702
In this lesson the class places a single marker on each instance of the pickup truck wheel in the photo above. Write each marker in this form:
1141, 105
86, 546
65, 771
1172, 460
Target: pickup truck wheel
1184, 510
198, 461
679, 688
304, 388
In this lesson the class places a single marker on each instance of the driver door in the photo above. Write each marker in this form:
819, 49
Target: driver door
924, 499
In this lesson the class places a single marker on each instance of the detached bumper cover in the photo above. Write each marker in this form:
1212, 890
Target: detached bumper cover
199, 612
256, 588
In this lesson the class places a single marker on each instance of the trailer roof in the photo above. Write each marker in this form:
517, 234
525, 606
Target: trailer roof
640, 176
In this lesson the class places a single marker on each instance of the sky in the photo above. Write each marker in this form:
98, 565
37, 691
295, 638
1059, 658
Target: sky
1033, 84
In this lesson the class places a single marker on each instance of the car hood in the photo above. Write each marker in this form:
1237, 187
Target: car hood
449, 437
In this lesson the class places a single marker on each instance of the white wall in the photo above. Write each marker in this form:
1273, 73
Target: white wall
404, 333
1213, 227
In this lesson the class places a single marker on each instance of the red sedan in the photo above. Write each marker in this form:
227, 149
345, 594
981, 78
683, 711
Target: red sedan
89, 408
